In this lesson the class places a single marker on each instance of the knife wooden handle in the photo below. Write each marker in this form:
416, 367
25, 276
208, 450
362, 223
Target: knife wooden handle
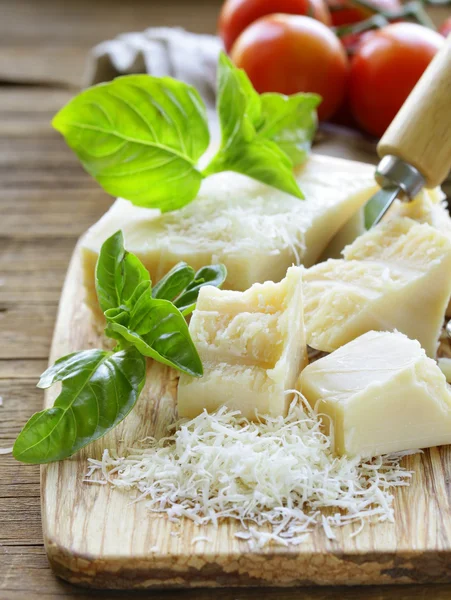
420, 134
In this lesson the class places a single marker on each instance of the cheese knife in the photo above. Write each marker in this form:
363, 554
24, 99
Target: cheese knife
415, 150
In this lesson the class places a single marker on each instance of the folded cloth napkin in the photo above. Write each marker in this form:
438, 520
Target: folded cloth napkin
159, 51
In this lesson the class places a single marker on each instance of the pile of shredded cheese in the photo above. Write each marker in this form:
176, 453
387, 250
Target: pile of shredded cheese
275, 477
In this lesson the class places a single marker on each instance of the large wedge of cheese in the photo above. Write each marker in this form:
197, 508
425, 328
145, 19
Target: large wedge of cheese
395, 276
382, 394
255, 230
252, 346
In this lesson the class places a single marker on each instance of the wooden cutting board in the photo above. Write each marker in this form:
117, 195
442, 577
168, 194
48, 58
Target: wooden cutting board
95, 537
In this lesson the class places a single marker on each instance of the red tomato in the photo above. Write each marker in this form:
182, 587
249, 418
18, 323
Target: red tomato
289, 54
353, 14
384, 70
445, 27
236, 15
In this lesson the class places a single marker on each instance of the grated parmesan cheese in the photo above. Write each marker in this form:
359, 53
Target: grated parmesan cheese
275, 477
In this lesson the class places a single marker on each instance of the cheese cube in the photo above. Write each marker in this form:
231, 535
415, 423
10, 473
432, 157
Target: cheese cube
395, 276
382, 394
252, 347
254, 229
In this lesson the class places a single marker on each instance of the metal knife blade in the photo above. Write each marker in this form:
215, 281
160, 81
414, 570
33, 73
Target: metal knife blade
377, 206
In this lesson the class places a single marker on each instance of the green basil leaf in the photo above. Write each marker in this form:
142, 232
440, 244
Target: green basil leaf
140, 137
98, 391
262, 160
290, 121
181, 284
120, 276
158, 330
174, 282
210, 275
238, 105
252, 129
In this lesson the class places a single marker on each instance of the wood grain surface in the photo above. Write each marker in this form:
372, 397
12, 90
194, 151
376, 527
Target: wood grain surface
46, 202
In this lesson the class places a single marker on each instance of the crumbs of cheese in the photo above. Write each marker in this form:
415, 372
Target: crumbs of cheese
274, 477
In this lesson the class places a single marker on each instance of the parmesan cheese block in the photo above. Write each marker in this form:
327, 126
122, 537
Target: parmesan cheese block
252, 347
255, 230
427, 207
382, 394
395, 276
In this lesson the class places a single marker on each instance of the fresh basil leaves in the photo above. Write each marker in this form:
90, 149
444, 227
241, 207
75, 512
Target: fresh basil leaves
181, 284
119, 274
264, 136
99, 388
141, 137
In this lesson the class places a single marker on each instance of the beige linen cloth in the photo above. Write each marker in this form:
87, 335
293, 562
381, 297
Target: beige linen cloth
160, 51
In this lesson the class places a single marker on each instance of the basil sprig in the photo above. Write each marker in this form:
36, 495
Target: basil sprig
141, 136
264, 136
99, 388
181, 284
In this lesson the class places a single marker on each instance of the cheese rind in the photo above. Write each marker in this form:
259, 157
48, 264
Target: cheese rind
252, 347
394, 277
382, 394
254, 229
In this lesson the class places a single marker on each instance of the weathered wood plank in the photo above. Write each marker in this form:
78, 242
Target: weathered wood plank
26, 330
28, 111
32, 269
20, 399
22, 368
85, 22
53, 212
36, 581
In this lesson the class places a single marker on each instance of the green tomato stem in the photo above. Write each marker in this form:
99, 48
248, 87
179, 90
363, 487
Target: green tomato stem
381, 18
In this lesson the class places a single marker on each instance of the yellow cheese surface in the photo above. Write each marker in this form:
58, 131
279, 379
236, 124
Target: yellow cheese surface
255, 230
252, 347
382, 394
427, 207
394, 277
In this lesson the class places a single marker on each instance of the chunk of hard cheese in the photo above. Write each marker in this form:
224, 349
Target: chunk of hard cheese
252, 346
395, 276
255, 230
382, 394
427, 207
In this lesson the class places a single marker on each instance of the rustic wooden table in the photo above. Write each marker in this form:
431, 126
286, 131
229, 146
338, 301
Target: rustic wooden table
46, 202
